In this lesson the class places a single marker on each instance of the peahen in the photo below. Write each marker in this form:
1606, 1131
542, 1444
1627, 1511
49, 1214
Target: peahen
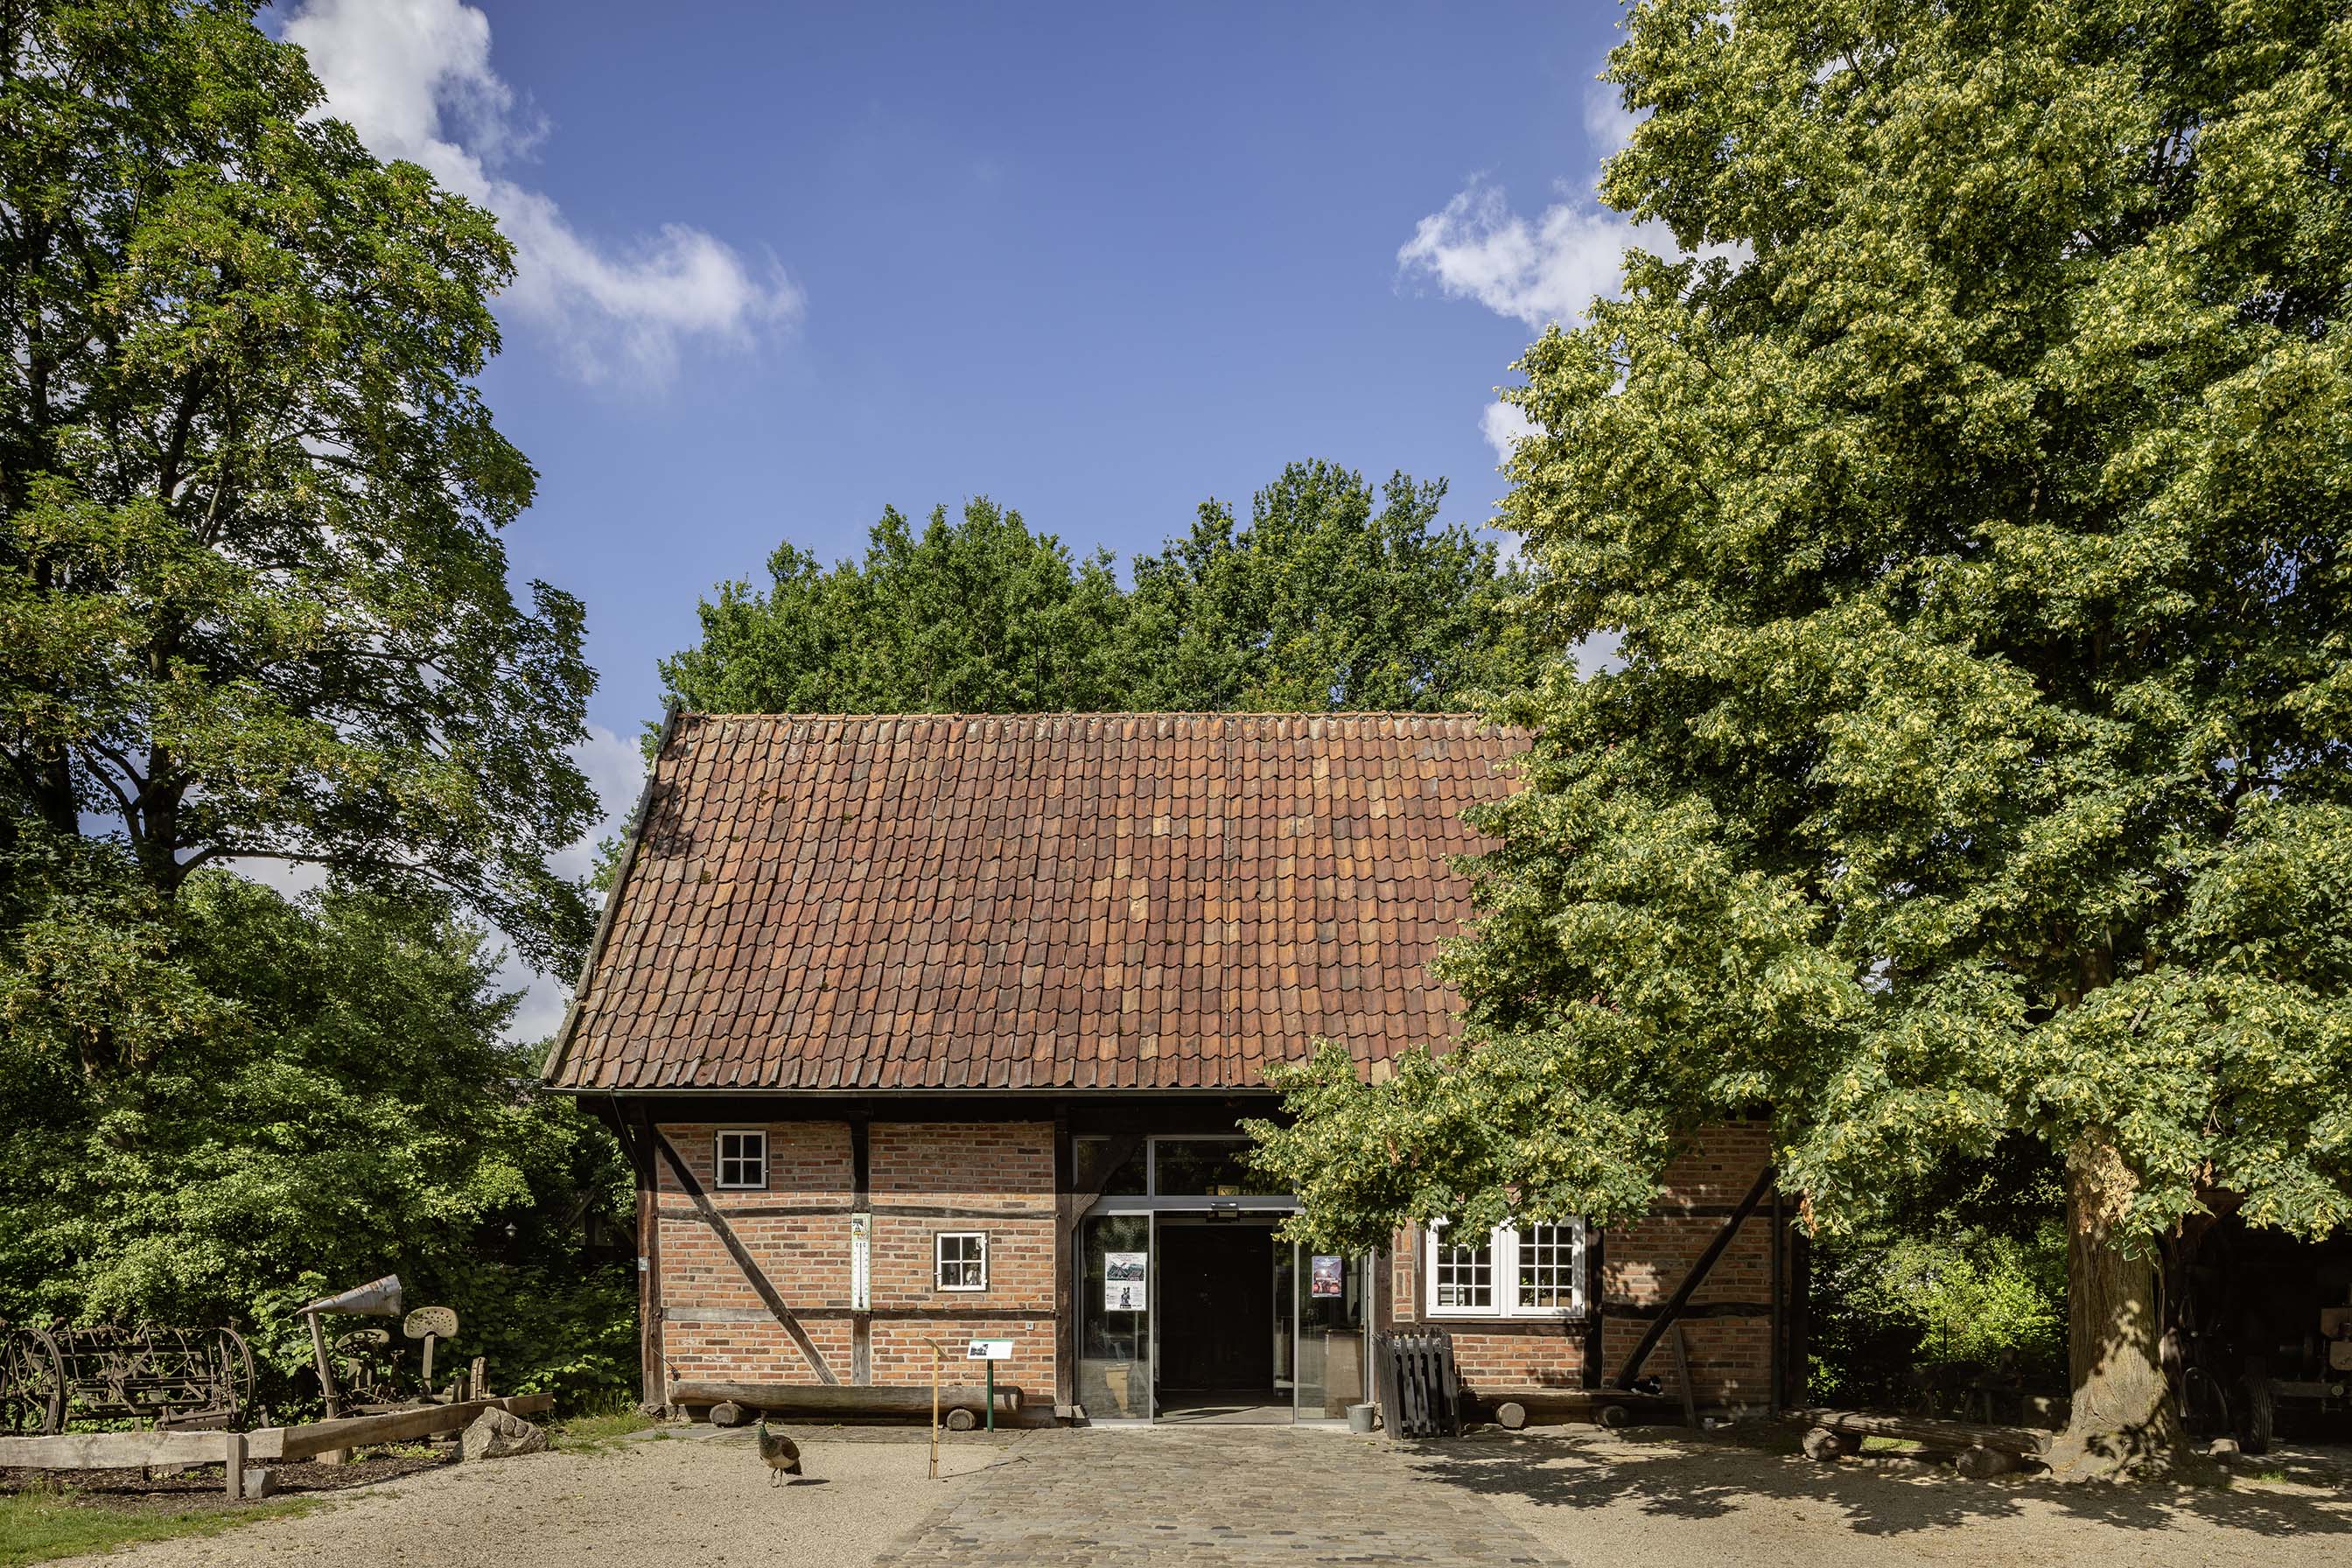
779, 1453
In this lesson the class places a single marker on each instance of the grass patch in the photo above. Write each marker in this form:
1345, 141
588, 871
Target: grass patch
597, 1433
37, 1526
1890, 1447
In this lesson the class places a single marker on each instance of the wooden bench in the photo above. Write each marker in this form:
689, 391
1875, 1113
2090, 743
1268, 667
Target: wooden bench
1978, 1448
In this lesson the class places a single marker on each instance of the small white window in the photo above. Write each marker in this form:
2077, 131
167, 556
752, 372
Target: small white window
1512, 1271
963, 1257
743, 1160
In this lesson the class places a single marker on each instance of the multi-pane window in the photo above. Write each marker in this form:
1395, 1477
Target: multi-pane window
962, 1258
1513, 1272
1550, 1267
743, 1160
1461, 1277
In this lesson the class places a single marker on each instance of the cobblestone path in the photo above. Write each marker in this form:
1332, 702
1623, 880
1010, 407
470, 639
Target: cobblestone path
1144, 1498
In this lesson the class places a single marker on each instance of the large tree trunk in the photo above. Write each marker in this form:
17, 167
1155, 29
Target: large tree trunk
2123, 1425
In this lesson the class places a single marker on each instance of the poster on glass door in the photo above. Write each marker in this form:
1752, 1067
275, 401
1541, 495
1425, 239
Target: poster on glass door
1328, 1277
1124, 1280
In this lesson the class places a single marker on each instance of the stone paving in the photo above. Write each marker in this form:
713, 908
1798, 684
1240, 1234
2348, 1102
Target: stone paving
1248, 1497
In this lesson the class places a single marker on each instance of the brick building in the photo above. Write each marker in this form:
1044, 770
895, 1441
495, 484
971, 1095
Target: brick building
926, 1029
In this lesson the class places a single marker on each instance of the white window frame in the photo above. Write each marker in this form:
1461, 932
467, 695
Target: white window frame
939, 1261
1503, 1297
720, 1159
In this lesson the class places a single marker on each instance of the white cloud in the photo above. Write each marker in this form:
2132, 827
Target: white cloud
1505, 428
1608, 126
414, 78
1477, 247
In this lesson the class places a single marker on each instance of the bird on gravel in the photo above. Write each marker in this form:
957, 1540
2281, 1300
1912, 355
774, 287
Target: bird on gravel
779, 1453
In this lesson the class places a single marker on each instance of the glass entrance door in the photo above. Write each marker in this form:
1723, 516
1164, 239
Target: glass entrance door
1331, 1340
1115, 1318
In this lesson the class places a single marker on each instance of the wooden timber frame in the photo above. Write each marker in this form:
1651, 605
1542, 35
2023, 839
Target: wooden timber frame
1677, 1306
233, 1450
761, 1284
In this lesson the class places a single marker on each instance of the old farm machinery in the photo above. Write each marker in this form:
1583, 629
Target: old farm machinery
170, 1378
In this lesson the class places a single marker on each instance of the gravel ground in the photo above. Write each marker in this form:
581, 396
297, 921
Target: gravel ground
1580, 1496
699, 1499
1667, 1501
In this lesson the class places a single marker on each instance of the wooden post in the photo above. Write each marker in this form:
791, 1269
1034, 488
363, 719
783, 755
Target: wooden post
1776, 1368
1682, 1376
326, 1372
938, 1355
233, 1464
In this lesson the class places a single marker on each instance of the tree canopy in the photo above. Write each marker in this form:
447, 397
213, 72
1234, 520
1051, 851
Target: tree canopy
254, 607
1975, 522
1332, 596
253, 603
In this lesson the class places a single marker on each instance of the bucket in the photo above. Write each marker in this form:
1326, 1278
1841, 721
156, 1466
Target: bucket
1359, 1419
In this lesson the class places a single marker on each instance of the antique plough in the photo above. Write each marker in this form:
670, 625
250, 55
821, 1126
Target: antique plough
171, 1377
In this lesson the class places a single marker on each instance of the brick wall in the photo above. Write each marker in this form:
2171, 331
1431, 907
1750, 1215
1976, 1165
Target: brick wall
998, 1177
1643, 1262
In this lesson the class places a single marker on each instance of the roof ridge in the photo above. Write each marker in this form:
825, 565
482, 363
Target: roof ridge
1118, 713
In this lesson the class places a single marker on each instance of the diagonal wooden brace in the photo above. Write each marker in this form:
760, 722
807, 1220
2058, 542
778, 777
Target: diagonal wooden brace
1692, 1280
735, 1247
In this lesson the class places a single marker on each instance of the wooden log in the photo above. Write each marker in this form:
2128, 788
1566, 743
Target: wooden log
322, 1438
838, 1399
962, 1420
1510, 1415
1547, 1407
1949, 1437
727, 1413
1614, 1416
1824, 1445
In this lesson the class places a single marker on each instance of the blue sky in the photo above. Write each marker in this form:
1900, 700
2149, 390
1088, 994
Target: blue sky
780, 267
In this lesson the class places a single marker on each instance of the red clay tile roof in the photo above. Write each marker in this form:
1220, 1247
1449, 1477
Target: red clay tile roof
1122, 900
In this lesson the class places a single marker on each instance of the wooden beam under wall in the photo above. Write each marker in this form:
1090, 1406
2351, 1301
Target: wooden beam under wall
761, 1284
1692, 1280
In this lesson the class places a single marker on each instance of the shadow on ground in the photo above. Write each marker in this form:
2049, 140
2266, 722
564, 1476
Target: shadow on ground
2300, 1493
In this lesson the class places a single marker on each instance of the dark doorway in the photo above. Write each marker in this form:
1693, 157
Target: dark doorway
1217, 1320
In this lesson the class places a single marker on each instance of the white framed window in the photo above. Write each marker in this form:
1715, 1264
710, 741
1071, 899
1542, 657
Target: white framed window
741, 1161
1511, 1271
961, 1257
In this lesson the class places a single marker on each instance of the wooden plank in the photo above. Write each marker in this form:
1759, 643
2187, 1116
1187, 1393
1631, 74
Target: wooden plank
293, 1443
835, 1399
233, 1457
110, 1450
1935, 1432
761, 1284
1699, 1270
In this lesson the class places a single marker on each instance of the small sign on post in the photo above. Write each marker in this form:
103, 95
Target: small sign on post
992, 1352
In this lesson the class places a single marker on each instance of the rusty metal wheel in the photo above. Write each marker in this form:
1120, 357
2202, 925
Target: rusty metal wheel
233, 1369
32, 1383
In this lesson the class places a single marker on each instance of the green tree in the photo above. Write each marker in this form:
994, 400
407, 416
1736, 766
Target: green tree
1979, 765
973, 613
318, 1093
253, 603
1332, 596
254, 606
1324, 600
